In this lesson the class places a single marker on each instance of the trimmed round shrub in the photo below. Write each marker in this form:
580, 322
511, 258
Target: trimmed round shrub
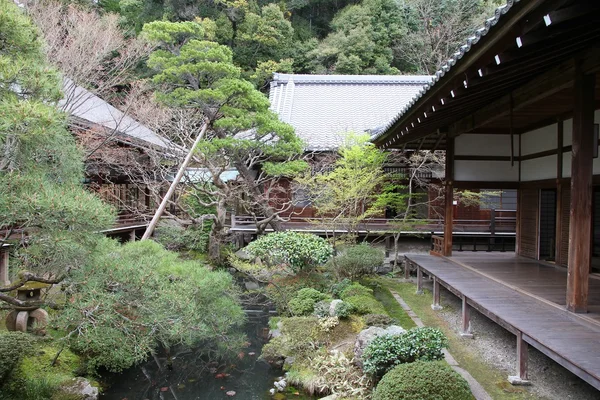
423, 380
355, 289
343, 309
304, 301
380, 320
298, 251
13, 346
358, 260
417, 344
337, 288
365, 305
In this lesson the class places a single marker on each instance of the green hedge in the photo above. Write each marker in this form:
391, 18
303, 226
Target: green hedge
431, 380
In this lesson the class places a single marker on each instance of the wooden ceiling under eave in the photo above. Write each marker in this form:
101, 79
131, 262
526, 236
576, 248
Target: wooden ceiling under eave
525, 85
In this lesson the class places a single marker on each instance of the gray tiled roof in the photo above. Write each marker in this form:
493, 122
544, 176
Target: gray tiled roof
86, 106
464, 49
322, 108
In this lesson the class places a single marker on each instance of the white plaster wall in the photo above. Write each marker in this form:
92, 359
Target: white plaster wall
542, 139
486, 171
538, 168
484, 145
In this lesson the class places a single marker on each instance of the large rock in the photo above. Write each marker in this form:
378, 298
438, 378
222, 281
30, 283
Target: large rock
333, 305
366, 336
80, 388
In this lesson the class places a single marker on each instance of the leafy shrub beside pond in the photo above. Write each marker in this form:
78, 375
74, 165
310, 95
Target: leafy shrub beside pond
13, 346
423, 380
299, 251
304, 301
358, 260
418, 344
355, 289
365, 305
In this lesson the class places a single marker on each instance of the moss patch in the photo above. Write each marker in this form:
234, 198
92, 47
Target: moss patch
393, 309
492, 380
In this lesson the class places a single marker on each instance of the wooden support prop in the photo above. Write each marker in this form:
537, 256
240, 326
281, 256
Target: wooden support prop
436, 295
419, 280
4, 272
407, 266
176, 180
522, 358
449, 196
581, 193
132, 236
466, 319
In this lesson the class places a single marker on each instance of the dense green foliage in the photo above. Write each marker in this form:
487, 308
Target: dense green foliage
303, 303
140, 297
423, 380
387, 351
298, 251
13, 347
41, 167
355, 289
380, 320
358, 260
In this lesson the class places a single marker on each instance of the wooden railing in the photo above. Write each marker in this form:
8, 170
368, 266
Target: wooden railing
437, 245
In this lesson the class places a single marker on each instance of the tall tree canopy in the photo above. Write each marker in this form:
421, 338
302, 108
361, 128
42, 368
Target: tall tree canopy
243, 134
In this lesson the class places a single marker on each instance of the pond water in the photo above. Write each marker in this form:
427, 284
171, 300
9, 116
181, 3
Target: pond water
191, 379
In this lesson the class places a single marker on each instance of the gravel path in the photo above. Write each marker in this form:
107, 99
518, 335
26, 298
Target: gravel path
497, 347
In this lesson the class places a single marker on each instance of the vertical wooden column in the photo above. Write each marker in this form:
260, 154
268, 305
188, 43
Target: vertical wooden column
466, 319
4, 275
419, 280
522, 359
132, 236
449, 196
407, 266
436, 295
581, 193
559, 168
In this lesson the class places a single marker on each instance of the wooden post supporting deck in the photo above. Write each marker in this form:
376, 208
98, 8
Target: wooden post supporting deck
581, 193
407, 266
4, 276
419, 280
449, 196
436, 295
466, 319
522, 358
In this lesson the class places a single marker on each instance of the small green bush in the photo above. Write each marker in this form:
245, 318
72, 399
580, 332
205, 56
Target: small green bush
418, 344
356, 289
285, 288
322, 309
337, 288
343, 309
175, 238
423, 380
380, 320
304, 301
299, 251
13, 346
365, 305
358, 260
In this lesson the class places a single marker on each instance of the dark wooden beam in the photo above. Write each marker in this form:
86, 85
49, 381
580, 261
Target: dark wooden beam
481, 158
485, 185
581, 193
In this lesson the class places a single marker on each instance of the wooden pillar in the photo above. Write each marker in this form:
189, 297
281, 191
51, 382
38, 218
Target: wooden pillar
407, 265
559, 168
466, 319
581, 193
449, 196
132, 236
419, 280
4, 275
436, 295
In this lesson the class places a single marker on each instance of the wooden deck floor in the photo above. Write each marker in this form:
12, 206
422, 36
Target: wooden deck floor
571, 341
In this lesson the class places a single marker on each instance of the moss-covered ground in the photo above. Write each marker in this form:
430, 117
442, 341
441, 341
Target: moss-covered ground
493, 380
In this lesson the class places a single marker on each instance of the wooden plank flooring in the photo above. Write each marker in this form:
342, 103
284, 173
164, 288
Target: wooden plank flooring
570, 341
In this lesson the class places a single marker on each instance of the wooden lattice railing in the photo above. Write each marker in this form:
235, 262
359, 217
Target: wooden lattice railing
437, 245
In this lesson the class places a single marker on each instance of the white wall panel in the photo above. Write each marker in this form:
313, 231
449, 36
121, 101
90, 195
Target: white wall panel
542, 139
486, 171
538, 168
483, 145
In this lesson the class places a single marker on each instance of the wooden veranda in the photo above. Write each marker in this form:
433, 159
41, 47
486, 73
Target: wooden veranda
527, 298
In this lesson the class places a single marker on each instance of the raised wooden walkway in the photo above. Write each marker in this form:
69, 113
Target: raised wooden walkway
566, 338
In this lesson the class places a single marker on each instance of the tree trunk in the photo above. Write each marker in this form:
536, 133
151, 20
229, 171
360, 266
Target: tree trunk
217, 233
